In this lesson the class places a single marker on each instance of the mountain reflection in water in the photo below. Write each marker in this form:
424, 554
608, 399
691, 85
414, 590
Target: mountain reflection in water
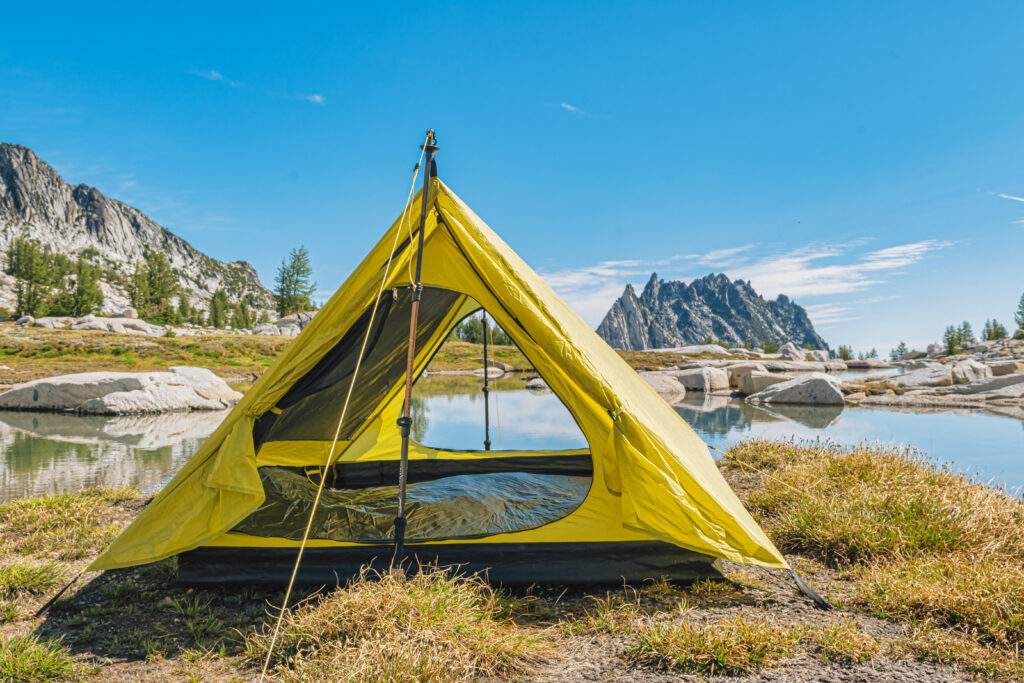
44, 453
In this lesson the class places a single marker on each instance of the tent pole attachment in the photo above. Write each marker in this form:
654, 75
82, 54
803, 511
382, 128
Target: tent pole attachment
487, 388
405, 421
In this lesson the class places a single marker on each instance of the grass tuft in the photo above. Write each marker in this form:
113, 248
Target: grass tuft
28, 659
851, 507
843, 642
731, 647
430, 627
21, 577
64, 526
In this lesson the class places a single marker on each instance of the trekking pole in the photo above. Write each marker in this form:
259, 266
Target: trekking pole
405, 421
486, 389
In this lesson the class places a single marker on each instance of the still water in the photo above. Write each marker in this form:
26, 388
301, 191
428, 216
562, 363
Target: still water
47, 453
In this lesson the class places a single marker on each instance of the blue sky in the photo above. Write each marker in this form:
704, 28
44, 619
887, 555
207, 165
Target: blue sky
863, 158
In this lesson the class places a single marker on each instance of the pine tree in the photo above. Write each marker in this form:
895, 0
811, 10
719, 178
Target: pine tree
241, 316
293, 285
219, 307
951, 340
999, 330
184, 308
900, 351
844, 352
153, 286
967, 337
87, 296
27, 263
1018, 316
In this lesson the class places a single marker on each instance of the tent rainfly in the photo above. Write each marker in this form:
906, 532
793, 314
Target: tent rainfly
643, 500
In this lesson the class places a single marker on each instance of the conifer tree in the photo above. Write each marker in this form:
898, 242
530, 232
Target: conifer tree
293, 285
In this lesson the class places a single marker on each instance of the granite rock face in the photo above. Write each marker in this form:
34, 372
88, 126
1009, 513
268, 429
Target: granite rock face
123, 393
36, 202
669, 314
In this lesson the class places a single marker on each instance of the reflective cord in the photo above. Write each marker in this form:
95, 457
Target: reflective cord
341, 421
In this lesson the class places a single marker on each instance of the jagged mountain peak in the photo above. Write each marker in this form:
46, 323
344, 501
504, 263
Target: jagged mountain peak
674, 313
37, 203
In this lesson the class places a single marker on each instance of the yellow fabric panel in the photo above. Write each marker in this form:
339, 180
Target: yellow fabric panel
653, 476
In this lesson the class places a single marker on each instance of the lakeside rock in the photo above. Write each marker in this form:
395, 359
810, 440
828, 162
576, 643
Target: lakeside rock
756, 382
666, 384
814, 389
122, 393
704, 379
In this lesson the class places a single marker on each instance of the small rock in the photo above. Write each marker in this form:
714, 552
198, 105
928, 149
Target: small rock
737, 371
536, 383
790, 351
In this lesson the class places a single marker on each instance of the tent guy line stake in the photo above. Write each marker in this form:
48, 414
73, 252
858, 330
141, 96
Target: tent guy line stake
405, 421
819, 602
341, 417
487, 389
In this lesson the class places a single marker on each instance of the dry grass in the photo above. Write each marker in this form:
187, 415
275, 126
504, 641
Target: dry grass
927, 643
65, 526
921, 544
731, 647
852, 507
843, 642
430, 627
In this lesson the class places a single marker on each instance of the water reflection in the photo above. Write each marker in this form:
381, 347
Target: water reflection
51, 452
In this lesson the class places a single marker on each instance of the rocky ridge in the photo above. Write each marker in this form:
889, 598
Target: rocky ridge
37, 203
671, 314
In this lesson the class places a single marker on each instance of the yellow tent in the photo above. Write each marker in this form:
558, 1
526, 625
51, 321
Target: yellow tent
645, 499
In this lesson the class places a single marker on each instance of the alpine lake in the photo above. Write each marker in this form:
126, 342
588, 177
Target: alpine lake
43, 453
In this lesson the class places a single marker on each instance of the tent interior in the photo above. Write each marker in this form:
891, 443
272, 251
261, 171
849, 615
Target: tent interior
453, 493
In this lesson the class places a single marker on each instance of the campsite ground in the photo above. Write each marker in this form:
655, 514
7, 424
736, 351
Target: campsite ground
28, 353
923, 566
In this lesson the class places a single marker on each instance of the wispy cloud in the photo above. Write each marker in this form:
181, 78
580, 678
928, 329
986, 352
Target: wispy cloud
810, 272
215, 76
1011, 197
720, 258
572, 108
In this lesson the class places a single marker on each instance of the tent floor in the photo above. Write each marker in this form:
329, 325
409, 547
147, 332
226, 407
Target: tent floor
501, 563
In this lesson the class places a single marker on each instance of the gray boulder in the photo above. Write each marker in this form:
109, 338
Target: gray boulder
666, 384
536, 383
816, 388
932, 375
737, 371
970, 370
704, 379
791, 351
1006, 367
935, 350
120, 393
755, 382
266, 329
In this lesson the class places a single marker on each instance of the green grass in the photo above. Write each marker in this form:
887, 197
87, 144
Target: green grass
63, 527
431, 627
28, 659
21, 577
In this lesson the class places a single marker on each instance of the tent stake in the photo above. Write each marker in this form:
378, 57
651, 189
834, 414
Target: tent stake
405, 421
487, 389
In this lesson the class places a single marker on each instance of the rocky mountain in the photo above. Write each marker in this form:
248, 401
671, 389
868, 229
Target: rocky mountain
673, 313
35, 202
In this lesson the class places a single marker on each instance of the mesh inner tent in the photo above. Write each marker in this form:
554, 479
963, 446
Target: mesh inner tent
311, 407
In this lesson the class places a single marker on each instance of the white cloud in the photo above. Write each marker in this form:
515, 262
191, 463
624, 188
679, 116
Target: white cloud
315, 98
807, 271
1011, 197
571, 108
720, 258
